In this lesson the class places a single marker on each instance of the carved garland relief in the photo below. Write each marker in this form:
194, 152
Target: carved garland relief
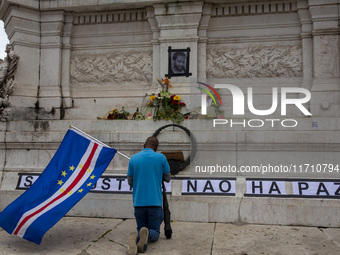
115, 67
7, 83
255, 61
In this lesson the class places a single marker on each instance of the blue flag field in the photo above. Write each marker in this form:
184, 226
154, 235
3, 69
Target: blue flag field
74, 169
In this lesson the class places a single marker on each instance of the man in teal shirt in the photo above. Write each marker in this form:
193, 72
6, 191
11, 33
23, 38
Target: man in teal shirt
147, 170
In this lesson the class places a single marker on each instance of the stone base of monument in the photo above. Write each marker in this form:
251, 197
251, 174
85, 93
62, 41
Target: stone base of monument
239, 174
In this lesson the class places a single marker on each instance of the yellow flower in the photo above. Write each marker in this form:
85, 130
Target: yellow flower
177, 98
153, 97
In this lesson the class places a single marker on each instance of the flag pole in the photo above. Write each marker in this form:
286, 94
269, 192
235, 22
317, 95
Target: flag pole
80, 131
121, 154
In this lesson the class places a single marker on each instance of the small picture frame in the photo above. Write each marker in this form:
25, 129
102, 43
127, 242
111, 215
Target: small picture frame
179, 62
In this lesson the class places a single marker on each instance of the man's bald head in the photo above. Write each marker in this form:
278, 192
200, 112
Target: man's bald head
152, 143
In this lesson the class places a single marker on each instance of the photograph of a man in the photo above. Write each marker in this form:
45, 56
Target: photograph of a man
178, 64
179, 61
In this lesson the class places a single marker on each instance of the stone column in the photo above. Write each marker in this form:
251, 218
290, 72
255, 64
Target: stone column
307, 44
42, 77
202, 42
326, 85
178, 25
52, 25
155, 44
66, 100
22, 25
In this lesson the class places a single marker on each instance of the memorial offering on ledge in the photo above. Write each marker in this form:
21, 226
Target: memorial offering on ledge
159, 106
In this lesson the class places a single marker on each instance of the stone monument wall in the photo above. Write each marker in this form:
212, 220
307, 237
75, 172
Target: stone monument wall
78, 60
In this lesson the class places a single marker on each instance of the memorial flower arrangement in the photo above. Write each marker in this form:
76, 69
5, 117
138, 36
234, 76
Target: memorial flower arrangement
164, 105
157, 106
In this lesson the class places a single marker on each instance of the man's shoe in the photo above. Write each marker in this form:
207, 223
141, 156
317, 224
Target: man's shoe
132, 246
143, 239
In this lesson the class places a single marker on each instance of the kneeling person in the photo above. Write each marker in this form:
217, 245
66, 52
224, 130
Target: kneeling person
147, 169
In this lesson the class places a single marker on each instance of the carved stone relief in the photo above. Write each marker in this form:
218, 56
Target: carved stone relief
115, 67
254, 61
7, 83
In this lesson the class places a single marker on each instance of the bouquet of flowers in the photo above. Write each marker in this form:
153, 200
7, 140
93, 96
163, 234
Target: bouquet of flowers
165, 105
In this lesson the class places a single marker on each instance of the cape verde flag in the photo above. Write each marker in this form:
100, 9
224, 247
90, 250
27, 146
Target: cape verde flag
76, 166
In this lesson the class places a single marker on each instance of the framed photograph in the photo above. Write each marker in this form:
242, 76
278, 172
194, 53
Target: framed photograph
179, 60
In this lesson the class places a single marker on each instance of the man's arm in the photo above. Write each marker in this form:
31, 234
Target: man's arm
166, 170
167, 177
130, 181
130, 174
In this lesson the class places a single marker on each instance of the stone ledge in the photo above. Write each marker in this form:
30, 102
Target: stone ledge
284, 211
